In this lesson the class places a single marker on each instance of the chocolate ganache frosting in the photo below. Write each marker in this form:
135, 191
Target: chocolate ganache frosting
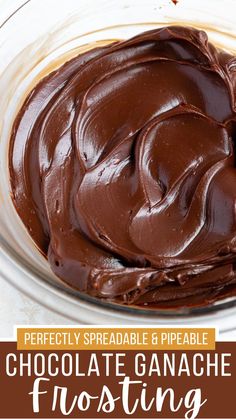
122, 168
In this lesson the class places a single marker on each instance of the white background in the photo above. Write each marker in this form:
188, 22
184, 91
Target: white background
16, 308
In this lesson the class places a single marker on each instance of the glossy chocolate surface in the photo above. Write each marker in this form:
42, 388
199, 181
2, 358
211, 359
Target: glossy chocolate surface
122, 167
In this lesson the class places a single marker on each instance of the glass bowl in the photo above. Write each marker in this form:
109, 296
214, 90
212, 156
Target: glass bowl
36, 37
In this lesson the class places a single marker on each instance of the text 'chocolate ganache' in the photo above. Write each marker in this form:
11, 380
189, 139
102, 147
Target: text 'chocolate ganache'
122, 168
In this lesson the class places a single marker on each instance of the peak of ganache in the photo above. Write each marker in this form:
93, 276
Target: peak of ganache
122, 166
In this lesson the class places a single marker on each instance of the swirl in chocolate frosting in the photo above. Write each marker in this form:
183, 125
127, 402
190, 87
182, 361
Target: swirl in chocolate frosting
122, 168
